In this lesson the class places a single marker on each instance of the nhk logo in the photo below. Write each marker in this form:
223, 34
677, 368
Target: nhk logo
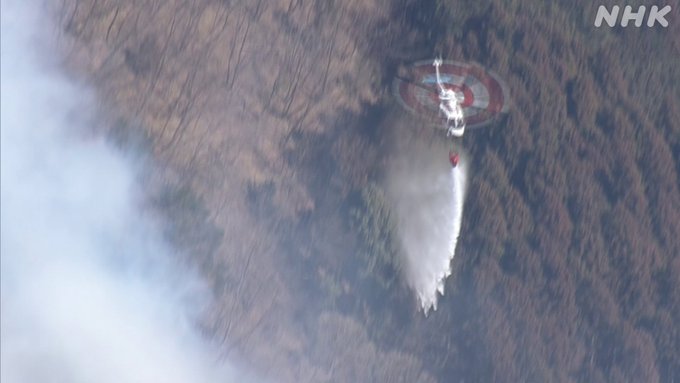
655, 15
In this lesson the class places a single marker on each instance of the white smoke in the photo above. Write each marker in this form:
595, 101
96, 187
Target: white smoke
427, 196
89, 292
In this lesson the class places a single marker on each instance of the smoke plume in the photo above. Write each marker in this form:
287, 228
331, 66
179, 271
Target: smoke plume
89, 292
427, 196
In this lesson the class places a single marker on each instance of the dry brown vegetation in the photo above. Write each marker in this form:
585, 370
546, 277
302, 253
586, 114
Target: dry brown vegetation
267, 121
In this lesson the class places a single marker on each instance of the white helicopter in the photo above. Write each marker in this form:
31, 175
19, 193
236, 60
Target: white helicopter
450, 106
451, 112
451, 109
454, 96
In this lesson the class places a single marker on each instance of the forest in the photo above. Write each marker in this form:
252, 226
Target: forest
269, 124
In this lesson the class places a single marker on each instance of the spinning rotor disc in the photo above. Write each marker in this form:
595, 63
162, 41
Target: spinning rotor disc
483, 94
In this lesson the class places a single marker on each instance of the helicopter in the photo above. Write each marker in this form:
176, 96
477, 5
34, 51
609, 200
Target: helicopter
450, 108
452, 96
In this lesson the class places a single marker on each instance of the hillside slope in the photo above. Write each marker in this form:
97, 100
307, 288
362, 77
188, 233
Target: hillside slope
271, 123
